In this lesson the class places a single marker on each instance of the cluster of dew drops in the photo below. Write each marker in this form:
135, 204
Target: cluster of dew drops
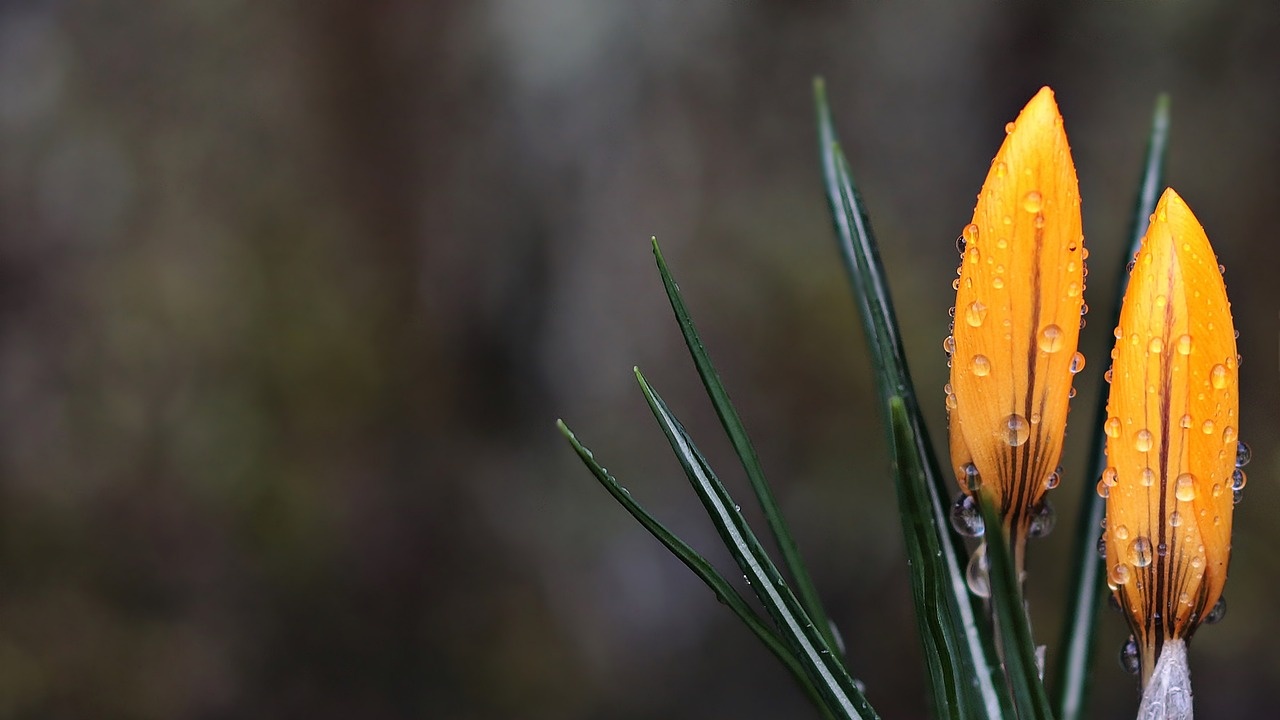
966, 519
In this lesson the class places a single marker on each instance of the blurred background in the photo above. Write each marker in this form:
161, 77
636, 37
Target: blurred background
291, 295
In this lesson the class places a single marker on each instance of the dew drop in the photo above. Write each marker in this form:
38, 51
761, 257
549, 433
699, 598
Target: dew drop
975, 313
1129, 660
1216, 490
949, 344
1001, 169
1229, 435
981, 366
1155, 345
1184, 344
1110, 373
1103, 489
1147, 477
1032, 201
1243, 454
997, 282
1185, 422
1184, 487
1051, 339
977, 575
1112, 427
1207, 427
1073, 290
1015, 430
1218, 376
1119, 574
1109, 477
1142, 440
1008, 128
1238, 479
1175, 519
952, 402
955, 284
1162, 549
1077, 363
1054, 478
961, 244
966, 518
1140, 550
1121, 532
1102, 546
1042, 520
1218, 612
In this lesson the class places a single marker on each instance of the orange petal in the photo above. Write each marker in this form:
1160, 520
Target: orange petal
1172, 434
1018, 306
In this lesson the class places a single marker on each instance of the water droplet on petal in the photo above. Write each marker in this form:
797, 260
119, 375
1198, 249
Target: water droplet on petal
1184, 345
1218, 612
1238, 479
965, 516
1218, 376
977, 575
1140, 551
975, 313
1051, 339
1119, 574
1015, 429
1175, 519
1032, 201
1228, 434
1109, 477
949, 344
1184, 487
1147, 477
1077, 363
1102, 546
1008, 128
1207, 427
1185, 422
1143, 440
1129, 659
1112, 427
1121, 532
981, 366
1103, 489
1054, 478
1042, 520
1243, 454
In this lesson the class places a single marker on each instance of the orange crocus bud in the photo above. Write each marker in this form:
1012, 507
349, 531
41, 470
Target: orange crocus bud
1172, 443
1017, 319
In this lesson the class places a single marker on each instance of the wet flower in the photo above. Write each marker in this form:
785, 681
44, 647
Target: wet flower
1017, 319
1172, 443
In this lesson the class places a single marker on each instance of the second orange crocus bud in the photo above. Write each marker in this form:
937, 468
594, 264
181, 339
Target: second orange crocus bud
1017, 320
1173, 449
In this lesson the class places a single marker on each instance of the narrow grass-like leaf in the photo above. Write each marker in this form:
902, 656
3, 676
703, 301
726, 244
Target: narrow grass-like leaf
1087, 588
951, 622
932, 587
805, 640
746, 452
724, 592
1031, 702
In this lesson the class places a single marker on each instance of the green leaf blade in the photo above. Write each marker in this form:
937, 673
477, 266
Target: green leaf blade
818, 658
724, 592
947, 620
1078, 637
746, 452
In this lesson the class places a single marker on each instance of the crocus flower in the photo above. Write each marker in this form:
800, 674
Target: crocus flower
1017, 319
1172, 447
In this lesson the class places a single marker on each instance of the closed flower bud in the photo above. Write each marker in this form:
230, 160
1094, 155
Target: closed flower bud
1172, 441
1017, 319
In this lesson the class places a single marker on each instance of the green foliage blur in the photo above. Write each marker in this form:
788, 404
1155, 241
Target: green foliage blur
292, 293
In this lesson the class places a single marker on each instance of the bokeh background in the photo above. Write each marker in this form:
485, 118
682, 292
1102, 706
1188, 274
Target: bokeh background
292, 293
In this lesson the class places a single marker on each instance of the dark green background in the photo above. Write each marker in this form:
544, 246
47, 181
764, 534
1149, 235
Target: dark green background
291, 294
